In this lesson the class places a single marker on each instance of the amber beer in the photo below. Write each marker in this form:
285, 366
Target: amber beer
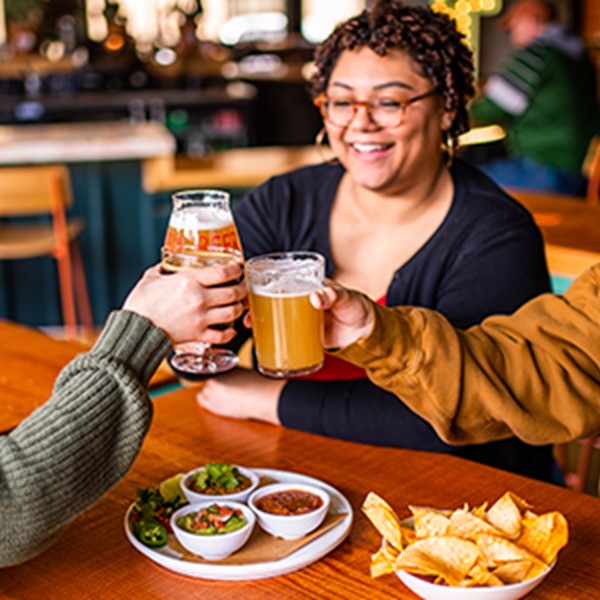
172, 262
201, 233
223, 235
287, 330
200, 226
190, 258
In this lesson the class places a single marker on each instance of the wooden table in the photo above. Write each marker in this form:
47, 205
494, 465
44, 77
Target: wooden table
242, 168
571, 230
30, 361
93, 558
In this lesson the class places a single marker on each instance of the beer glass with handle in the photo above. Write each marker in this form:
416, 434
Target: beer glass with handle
201, 232
287, 329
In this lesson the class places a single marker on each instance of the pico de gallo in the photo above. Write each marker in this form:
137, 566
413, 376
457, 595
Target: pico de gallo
215, 519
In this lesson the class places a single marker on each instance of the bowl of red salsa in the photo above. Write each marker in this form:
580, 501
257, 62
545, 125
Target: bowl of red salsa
289, 510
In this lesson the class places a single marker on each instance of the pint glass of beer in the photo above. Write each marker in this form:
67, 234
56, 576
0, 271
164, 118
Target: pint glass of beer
287, 330
201, 233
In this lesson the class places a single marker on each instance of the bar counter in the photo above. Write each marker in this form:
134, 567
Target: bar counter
83, 142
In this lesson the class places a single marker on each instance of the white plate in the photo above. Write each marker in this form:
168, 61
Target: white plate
313, 551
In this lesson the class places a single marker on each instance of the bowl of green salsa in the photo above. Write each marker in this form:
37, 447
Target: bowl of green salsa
213, 530
219, 481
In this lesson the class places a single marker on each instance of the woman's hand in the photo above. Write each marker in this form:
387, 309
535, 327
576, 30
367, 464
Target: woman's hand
185, 304
242, 394
348, 315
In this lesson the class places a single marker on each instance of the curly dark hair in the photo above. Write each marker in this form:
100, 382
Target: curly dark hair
431, 40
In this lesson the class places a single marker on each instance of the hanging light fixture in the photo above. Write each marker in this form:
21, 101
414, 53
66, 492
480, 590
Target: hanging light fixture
150, 23
467, 14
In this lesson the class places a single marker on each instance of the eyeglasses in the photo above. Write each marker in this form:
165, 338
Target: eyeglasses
385, 113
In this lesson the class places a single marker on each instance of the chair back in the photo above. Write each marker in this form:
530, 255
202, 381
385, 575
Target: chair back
34, 190
591, 169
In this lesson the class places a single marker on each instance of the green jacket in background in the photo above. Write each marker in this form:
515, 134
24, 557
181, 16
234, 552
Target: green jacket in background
546, 99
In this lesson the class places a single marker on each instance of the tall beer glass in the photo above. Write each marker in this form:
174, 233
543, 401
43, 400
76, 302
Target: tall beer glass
287, 330
201, 232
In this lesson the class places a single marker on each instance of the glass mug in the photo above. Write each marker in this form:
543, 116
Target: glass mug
287, 329
201, 232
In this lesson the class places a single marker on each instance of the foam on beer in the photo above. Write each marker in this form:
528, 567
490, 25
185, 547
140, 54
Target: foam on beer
200, 218
268, 282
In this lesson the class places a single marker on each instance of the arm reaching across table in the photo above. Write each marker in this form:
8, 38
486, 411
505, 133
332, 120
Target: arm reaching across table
75, 447
534, 374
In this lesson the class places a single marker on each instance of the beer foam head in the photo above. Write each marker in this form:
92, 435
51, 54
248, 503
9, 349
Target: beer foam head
285, 277
200, 218
286, 288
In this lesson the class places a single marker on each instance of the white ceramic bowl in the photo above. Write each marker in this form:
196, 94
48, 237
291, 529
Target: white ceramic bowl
290, 527
193, 496
217, 546
432, 591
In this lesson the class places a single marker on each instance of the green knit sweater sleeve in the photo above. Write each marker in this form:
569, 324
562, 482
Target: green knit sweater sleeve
75, 447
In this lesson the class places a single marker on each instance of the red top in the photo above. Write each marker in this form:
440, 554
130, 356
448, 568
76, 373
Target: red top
336, 368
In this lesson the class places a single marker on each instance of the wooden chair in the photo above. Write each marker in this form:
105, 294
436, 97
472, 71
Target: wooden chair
45, 191
576, 475
591, 169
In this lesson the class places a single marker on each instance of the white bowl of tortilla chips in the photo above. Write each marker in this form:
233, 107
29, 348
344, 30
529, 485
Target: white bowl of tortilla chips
432, 591
496, 553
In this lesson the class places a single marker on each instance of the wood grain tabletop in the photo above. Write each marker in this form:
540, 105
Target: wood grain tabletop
30, 361
94, 559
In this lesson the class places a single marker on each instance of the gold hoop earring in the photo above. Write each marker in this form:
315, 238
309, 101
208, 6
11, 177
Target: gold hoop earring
320, 144
448, 147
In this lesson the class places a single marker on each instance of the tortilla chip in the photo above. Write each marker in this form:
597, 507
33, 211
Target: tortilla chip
479, 547
408, 535
447, 557
519, 570
479, 576
383, 561
429, 522
545, 535
480, 511
465, 525
498, 550
505, 515
385, 520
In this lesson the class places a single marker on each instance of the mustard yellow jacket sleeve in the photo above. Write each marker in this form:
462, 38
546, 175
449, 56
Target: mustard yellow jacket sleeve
534, 374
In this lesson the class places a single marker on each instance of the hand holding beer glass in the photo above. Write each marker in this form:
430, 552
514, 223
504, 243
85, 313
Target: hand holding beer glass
287, 329
201, 233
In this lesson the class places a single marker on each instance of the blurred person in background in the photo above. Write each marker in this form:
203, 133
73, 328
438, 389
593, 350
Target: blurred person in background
545, 97
69, 452
395, 218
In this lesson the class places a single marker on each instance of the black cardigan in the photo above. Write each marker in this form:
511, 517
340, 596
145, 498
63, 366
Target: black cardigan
486, 258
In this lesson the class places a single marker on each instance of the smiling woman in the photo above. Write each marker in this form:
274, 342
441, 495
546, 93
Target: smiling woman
396, 218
